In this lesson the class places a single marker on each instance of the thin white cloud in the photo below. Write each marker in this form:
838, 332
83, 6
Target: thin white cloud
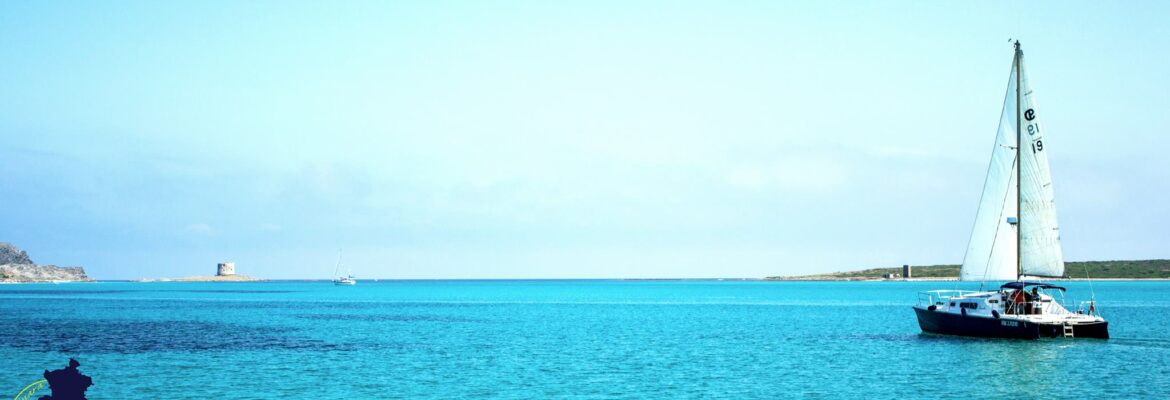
200, 229
812, 175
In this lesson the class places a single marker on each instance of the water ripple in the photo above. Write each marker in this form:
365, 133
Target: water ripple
382, 318
119, 336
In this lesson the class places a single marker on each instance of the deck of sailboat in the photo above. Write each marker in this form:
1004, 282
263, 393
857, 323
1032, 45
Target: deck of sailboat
993, 314
1010, 326
1046, 310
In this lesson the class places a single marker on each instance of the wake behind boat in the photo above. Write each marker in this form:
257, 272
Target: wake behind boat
1015, 236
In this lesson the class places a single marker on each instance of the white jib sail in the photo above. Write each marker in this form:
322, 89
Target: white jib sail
991, 252
1040, 251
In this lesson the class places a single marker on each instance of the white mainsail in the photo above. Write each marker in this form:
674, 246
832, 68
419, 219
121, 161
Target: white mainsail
992, 251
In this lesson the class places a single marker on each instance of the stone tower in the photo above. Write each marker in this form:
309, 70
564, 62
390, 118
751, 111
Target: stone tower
225, 269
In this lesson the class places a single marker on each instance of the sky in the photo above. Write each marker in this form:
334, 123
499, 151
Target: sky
563, 139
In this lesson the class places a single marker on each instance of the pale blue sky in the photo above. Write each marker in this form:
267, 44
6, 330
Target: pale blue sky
562, 139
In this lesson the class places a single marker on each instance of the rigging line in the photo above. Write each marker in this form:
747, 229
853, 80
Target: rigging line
991, 164
1092, 294
1018, 64
994, 238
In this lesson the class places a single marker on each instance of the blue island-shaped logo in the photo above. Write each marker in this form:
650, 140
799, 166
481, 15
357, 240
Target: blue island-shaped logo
64, 384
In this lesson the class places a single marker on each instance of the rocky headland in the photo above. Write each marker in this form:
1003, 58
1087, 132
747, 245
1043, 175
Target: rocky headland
16, 266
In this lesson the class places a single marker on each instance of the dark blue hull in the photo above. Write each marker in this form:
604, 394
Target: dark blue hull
978, 326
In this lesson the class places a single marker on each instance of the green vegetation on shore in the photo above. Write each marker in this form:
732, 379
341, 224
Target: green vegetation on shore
1137, 269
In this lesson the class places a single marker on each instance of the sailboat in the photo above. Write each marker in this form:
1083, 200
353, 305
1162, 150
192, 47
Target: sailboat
1015, 239
347, 279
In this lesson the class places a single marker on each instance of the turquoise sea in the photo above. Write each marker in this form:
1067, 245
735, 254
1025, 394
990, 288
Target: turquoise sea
559, 339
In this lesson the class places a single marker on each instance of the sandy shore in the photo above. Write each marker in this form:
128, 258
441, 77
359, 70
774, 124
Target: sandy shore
229, 278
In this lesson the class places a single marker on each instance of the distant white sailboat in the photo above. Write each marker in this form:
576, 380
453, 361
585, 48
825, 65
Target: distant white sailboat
1015, 236
339, 279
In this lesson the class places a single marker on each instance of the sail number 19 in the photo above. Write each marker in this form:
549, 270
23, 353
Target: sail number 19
1037, 145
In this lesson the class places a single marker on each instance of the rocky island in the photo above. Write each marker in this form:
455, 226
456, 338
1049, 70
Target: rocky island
16, 266
224, 272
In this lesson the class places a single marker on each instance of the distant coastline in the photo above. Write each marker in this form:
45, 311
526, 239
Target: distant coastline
940, 279
217, 278
1156, 270
17, 267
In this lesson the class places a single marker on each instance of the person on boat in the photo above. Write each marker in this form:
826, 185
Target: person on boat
1034, 308
1017, 299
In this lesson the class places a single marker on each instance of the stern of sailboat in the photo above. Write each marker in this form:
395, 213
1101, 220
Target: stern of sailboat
1090, 330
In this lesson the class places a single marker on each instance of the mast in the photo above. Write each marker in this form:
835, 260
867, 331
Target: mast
1019, 163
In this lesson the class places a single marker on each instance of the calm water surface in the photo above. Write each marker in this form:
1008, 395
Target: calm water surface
580, 339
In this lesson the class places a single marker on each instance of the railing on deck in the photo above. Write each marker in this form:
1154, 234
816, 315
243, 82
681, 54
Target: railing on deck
1088, 307
940, 297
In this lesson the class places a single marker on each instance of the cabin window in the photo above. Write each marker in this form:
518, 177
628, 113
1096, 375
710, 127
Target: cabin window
952, 304
993, 301
969, 305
